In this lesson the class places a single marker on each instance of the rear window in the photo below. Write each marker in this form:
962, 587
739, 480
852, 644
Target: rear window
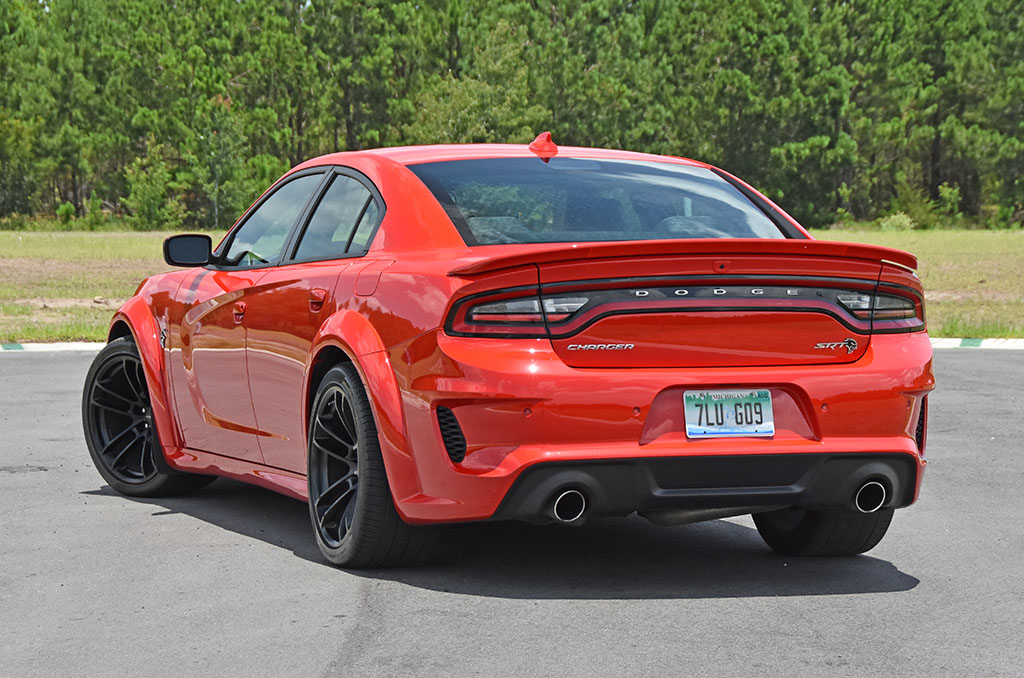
526, 200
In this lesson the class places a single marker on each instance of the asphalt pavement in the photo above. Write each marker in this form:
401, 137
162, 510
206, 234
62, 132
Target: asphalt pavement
228, 582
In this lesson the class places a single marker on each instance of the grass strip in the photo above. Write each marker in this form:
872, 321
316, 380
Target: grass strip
64, 286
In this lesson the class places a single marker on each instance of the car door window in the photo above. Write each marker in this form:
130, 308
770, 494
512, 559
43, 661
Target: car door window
262, 237
328, 235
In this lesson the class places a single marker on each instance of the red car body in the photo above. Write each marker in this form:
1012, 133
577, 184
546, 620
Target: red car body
232, 360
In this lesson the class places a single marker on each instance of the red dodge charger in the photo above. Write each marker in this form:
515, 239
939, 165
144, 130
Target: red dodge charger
407, 337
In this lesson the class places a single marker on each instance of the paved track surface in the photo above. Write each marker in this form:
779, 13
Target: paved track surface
228, 582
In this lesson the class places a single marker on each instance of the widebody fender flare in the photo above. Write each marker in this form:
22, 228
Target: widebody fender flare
353, 334
145, 331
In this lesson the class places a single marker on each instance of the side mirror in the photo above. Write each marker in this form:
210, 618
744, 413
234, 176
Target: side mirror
190, 249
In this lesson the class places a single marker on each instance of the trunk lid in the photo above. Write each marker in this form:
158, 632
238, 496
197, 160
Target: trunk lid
705, 303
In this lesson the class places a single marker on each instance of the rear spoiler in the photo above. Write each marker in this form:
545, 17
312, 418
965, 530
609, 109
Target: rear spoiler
561, 252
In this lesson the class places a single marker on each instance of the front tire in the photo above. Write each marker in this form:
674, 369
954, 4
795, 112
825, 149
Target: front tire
354, 517
802, 532
119, 431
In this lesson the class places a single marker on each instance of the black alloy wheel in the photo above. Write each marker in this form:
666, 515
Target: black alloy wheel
350, 504
122, 420
119, 430
334, 465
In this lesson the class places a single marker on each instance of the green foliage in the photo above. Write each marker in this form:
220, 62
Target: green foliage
65, 211
17, 180
949, 199
896, 222
840, 111
489, 103
152, 197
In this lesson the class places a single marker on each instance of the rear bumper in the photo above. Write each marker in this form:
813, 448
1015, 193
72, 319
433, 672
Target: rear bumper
713, 482
532, 423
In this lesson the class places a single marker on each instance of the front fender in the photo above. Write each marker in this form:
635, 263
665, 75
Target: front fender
138, 317
353, 334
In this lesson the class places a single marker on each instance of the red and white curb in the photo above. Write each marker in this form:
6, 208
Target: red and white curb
92, 347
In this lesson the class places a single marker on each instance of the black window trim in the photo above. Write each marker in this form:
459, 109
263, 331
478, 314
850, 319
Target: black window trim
218, 255
291, 247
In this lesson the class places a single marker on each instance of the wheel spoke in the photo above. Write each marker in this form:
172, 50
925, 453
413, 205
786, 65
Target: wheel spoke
130, 374
145, 454
114, 394
120, 455
110, 408
340, 495
113, 441
327, 429
348, 458
348, 515
347, 419
140, 379
337, 493
344, 414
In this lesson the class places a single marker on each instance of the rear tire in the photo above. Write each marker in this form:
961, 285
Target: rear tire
354, 517
119, 429
801, 532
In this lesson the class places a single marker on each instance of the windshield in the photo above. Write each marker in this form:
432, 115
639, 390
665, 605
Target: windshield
526, 200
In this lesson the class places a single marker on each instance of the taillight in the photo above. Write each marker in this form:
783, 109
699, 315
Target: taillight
510, 313
888, 312
888, 307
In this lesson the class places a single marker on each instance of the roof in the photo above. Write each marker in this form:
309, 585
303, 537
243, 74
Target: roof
413, 155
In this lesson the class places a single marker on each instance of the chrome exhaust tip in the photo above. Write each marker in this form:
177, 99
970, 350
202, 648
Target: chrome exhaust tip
870, 497
569, 506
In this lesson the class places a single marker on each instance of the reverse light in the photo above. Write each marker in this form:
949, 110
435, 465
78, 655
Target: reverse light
855, 302
565, 305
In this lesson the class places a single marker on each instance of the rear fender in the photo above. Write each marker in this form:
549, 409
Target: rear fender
355, 336
137, 316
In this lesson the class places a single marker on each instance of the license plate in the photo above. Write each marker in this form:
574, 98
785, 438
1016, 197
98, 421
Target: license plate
725, 413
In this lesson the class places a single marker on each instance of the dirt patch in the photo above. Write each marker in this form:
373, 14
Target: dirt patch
96, 302
986, 295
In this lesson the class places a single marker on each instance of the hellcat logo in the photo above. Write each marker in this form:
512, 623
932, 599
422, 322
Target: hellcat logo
600, 347
849, 344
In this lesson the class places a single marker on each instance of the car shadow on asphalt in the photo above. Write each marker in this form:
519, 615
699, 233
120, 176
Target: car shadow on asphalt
607, 558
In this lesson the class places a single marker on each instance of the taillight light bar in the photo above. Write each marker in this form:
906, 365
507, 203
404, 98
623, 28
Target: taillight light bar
535, 312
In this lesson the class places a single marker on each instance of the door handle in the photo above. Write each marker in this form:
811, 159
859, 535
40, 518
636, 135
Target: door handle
239, 311
317, 297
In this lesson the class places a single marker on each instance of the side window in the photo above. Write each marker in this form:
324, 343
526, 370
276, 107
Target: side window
361, 239
262, 237
345, 204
